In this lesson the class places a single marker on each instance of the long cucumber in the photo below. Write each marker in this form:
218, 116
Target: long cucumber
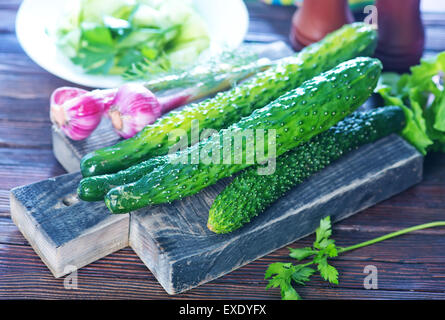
229, 107
95, 188
249, 194
294, 118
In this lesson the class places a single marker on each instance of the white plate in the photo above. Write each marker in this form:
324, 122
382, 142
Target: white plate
227, 22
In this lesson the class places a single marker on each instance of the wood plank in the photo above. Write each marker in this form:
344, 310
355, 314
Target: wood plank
9, 234
10, 44
10, 4
18, 63
24, 166
25, 134
24, 275
7, 20
4, 203
33, 86
174, 243
35, 110
13, 176
24, 157
64, 231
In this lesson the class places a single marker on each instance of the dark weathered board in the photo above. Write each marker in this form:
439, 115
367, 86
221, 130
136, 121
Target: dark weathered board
69, 152
65, 232
175, 244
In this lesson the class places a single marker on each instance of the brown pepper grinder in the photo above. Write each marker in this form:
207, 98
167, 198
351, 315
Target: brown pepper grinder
317, 18
401, 34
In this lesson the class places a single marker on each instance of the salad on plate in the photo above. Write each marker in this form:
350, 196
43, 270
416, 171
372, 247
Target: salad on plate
116, 37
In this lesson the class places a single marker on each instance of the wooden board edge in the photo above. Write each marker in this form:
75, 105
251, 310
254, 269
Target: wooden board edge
52, 255
66, 156
38, 239
140, 244
113, 226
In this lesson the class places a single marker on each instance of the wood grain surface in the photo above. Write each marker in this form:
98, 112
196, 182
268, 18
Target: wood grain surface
410, 267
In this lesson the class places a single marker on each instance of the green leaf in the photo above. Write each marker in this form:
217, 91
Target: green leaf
431, 116
301, 253
331, 250
277, 281
325, 243
438, 109
95, 59
277, 268
389, 81
289, 293
414, 131
323, 231
95, 34
129, 57
327, 272
422, 74
302, 274
281, 275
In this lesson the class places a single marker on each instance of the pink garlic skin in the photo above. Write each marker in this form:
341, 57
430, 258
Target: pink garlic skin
78, 112
133, 108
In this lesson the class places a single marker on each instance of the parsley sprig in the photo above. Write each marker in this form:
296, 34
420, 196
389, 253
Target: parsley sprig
283, 275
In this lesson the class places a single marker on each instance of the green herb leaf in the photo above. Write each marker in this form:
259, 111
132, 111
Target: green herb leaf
289, 293
302, 274
327, 272
276, 268
414, 92
95, 59
95, 34
323, 231
301, 253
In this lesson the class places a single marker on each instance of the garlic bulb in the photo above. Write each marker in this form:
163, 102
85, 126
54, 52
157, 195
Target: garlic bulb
133, 108
78, 112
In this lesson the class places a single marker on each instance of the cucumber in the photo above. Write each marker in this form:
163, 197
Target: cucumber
295, 118
95, 188
249, 194
229, 107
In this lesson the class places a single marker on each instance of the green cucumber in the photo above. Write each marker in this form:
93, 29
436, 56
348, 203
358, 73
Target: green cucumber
294, 118
95, 188
249, 194
229, 107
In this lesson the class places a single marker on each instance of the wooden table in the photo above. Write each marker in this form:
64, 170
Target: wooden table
412, 266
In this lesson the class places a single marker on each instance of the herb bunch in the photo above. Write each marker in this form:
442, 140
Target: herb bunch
283, 275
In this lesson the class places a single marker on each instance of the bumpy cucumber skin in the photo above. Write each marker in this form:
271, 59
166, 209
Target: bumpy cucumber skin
296, 117
95, 188
249, 194
229, 107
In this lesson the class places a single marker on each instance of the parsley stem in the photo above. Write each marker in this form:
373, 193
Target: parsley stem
392, 235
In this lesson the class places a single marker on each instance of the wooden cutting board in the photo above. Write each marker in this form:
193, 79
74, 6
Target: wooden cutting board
172, 240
